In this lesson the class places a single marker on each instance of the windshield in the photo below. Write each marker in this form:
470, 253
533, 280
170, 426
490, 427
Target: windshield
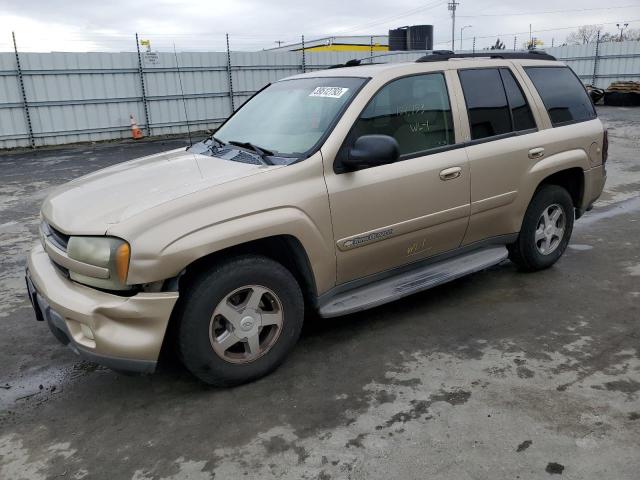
291, 116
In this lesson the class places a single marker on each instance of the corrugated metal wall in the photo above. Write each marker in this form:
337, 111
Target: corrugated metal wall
77, 97
616, 61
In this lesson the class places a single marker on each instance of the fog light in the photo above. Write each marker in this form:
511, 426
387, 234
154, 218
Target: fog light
86, 331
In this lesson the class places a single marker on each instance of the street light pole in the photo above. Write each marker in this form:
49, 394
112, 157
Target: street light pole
462, 30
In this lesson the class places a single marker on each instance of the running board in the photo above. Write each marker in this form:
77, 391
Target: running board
407, 283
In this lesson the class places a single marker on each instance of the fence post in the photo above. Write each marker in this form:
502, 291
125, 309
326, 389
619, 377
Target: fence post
144, 90
304, 59
371, 49
595, 60
230, 77
25, 105
474, 45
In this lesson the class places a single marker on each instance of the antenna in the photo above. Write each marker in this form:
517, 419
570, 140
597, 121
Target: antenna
184, 103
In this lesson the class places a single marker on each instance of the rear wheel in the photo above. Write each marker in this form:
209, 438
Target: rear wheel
546, 229
239, 320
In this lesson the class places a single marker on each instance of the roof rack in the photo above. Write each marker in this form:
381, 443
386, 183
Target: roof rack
442, 55
348, 63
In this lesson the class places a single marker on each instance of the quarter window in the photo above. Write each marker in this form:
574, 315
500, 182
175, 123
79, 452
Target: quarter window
414, 110
563, 94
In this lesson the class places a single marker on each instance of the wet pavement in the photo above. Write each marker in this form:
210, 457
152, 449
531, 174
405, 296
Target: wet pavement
497, 375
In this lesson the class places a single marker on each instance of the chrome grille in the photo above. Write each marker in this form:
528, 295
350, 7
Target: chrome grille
56, 237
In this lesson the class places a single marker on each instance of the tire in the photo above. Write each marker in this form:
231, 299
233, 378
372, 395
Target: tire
532, 253
205, 340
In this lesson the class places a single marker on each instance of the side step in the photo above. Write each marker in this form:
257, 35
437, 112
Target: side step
407, 283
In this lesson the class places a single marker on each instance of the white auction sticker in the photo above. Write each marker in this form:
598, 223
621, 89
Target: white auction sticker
329, 92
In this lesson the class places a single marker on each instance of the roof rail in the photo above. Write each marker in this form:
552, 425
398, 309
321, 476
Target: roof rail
349, 63
442, 55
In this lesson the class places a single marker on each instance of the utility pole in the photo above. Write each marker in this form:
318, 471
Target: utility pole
452, 5
279, 42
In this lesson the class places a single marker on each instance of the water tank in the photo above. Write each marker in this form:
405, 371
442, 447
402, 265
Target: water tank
419, 37
398, 38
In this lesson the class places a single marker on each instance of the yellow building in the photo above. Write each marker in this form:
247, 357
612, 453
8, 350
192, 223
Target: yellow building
353, 43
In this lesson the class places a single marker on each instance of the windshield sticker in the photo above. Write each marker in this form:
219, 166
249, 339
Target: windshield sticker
329, 92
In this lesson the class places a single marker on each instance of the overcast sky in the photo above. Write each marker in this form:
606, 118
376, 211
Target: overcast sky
109, 25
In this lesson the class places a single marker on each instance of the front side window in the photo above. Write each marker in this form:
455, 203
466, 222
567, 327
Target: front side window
564, 96
291, 116
414, 110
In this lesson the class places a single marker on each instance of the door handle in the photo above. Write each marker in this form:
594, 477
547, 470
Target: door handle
536, 152
450, 173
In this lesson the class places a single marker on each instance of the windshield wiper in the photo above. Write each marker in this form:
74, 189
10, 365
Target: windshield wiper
219, 142
262, 152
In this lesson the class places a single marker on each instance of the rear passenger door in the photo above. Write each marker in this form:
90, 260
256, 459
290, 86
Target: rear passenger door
503, 142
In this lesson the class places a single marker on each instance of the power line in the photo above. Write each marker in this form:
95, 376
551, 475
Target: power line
547, 12
533, 31
391, 18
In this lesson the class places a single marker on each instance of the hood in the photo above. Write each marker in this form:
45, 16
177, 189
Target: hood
89, 204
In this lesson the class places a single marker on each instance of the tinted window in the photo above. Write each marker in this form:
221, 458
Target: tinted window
486, 102
414, 110
563, 94
520, 111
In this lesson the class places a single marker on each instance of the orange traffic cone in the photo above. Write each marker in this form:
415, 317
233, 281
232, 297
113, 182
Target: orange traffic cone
136, 133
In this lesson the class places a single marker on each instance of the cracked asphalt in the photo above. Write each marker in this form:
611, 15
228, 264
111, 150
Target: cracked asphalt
497, 375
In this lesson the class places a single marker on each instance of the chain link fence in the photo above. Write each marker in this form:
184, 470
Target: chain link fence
58, 98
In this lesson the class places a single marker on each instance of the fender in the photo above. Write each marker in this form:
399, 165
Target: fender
560, 161
193, 245
570, 159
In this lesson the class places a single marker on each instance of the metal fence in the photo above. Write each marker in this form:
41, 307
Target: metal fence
599, 64
58, 98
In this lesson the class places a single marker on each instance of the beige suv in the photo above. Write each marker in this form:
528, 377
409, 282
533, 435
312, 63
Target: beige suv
334, 191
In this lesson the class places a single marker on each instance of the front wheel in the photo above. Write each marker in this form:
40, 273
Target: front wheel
546, 229
239, 320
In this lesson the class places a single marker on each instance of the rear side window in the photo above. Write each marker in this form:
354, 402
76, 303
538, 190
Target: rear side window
520, 111
414, 110
563, 94
495, 103
486, 102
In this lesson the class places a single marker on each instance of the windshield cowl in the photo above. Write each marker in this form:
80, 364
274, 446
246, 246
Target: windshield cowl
237, 154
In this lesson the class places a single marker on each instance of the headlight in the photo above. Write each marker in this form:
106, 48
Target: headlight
107, 252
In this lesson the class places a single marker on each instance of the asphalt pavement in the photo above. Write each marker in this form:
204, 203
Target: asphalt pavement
497, 375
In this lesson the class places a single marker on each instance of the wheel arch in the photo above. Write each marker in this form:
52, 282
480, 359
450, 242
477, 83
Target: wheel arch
285, 249
572, 180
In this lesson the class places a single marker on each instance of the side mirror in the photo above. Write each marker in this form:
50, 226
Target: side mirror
371, 151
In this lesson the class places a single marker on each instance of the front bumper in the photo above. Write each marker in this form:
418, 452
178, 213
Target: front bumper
127, 331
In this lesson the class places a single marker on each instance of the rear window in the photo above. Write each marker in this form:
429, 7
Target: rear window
563, 94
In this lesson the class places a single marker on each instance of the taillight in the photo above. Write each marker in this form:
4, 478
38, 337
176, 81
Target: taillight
605, 146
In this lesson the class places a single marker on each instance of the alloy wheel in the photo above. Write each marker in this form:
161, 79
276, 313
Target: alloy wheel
246, 324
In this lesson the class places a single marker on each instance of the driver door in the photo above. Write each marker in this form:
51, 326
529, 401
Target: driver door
392, 215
